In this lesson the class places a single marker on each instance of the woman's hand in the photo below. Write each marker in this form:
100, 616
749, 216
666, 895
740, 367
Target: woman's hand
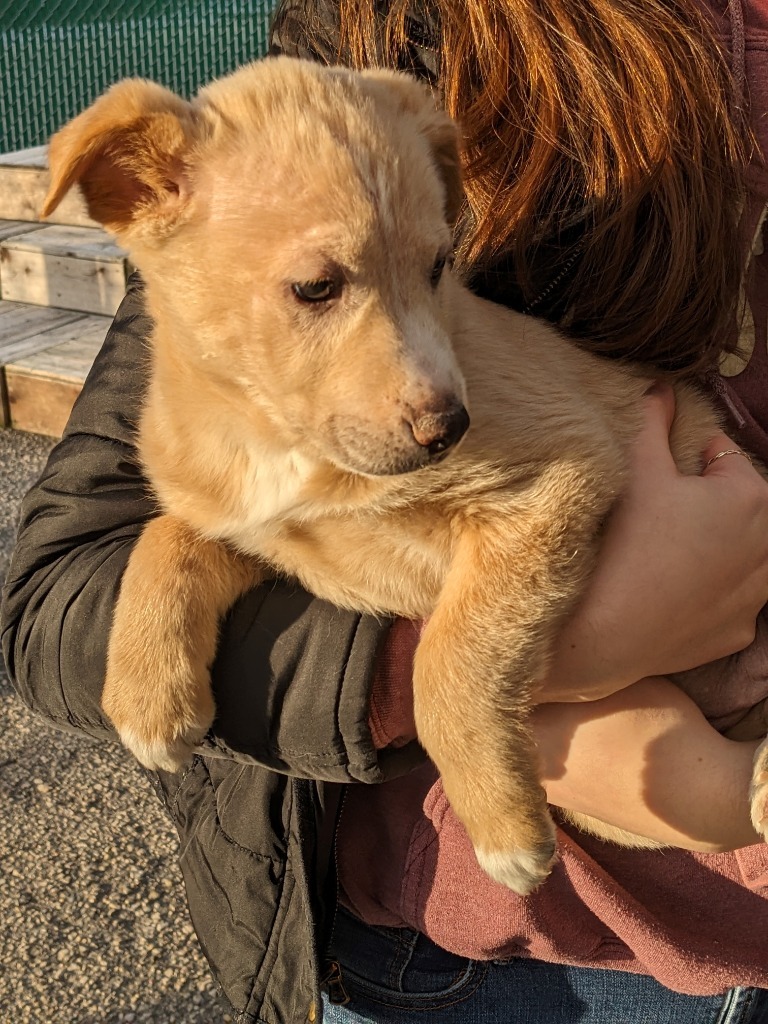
646, 760
682, 573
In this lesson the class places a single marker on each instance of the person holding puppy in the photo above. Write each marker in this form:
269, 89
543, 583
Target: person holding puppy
606, 192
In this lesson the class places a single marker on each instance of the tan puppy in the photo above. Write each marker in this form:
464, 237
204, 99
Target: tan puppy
313, 359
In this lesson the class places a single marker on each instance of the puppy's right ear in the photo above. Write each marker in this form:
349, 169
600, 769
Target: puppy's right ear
127, 152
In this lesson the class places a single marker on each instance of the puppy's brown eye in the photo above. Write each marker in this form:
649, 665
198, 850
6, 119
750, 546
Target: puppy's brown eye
316, 291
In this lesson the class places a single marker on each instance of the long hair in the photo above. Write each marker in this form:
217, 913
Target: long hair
604, 159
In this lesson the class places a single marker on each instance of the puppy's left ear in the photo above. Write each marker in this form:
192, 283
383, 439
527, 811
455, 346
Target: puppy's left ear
440, 130
127, 153
443, 135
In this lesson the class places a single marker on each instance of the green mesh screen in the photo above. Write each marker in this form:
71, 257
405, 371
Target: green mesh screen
56, 56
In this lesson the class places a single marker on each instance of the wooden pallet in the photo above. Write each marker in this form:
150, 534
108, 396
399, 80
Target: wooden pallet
24, 181
60, 284
45, 356
63, 266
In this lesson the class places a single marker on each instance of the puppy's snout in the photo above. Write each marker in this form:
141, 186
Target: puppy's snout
438, 432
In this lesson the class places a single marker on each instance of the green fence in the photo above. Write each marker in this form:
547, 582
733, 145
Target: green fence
56, 56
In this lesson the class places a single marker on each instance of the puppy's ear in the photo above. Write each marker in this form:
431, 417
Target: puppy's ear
126, 152
443, 135
440, 130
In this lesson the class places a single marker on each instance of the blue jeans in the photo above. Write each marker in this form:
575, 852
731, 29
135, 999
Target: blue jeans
394, 976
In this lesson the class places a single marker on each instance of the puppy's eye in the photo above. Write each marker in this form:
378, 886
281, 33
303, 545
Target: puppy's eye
437, 270
316, 291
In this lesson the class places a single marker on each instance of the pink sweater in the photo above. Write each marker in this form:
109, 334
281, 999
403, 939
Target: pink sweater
696, 922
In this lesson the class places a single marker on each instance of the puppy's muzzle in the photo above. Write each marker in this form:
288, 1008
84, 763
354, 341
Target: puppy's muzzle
438, 432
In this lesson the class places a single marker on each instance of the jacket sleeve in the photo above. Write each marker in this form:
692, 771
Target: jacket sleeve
293, 674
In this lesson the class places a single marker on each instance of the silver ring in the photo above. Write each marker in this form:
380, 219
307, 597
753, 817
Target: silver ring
728, 451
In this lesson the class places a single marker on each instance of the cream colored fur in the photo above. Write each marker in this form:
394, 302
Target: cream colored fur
283, 435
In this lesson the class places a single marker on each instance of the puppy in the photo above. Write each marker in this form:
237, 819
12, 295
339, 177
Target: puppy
313, 360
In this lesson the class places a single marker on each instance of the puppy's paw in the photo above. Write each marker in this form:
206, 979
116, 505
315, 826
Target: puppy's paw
159, 754
758, 791
160, 724
511, 829
521, 870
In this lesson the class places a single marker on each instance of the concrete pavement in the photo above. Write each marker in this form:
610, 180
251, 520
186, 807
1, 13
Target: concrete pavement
93, 923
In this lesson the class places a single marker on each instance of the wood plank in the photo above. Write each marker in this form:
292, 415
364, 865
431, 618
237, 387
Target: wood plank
14, 228
23, 190
41, 388
68, 240
18, 316
40, 405
66, 352
23, 327
35, 156
66, 282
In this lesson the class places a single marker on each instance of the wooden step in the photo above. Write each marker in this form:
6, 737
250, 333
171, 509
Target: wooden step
19, 323
65, 267
24, 181
10, 228
45, 355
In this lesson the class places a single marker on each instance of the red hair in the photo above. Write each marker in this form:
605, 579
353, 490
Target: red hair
604, 158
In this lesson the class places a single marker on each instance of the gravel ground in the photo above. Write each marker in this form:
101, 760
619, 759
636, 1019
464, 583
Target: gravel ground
94, 922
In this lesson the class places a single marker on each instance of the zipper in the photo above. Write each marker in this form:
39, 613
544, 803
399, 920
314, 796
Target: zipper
333, 983
339, 811
332, 980
550, 287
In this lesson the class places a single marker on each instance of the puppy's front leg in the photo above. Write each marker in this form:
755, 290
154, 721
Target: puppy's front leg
175, 589
484, 647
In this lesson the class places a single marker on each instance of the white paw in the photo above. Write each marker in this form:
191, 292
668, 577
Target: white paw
520, 870
758, 791
167, 756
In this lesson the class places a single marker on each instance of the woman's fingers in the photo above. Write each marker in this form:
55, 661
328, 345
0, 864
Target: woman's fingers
651, 452
722, 456
682, 572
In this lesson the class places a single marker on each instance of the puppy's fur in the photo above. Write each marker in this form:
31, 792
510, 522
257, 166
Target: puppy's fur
312, 358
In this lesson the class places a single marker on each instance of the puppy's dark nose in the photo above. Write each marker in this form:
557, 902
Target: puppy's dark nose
438, 432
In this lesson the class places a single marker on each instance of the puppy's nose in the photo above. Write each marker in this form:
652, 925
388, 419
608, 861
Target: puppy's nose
440, 431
